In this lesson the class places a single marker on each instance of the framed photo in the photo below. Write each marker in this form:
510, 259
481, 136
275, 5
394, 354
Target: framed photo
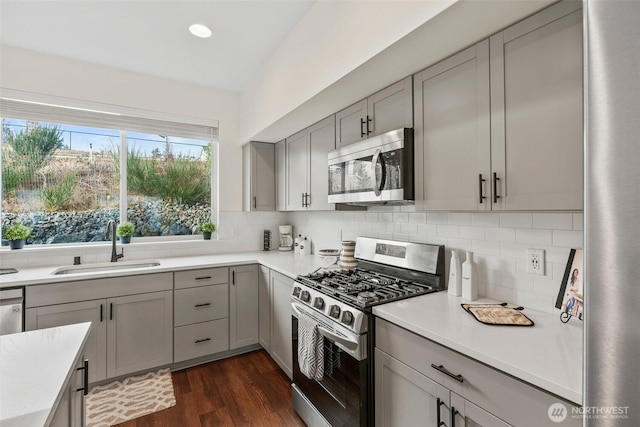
571, 296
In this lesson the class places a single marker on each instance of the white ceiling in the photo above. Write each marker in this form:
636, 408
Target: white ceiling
152, 37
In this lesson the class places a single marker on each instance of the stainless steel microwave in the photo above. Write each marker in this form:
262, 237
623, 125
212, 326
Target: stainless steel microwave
378, 170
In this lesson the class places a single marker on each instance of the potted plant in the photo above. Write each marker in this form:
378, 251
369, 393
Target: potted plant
207, 228
17, 235
125, 231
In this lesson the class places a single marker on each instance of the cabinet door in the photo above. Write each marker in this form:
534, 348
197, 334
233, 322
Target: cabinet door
281, 176
466, 414
452, 132
139, 332
264, 308
391, 108
78, 312
281, 345
351, 124
321, 141
263, 183
405, 397
297, 158
536, 111
243, 306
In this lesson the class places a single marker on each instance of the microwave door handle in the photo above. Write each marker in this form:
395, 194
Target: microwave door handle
378, 157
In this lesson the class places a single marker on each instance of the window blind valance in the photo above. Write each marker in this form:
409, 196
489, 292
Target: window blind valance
41, 112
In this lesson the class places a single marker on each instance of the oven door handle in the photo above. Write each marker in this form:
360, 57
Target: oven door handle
377, 157
339, 341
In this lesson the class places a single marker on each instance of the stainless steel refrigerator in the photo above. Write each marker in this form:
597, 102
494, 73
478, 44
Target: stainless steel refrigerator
612, 213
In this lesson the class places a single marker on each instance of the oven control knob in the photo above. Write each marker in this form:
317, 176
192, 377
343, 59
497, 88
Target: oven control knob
334, 312
318, 303
296, 291
347, 317
304, 296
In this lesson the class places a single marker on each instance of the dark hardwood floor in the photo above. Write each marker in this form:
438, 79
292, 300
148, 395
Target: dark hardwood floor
245, 390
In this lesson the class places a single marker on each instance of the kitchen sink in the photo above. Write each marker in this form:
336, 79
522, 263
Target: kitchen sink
104, 267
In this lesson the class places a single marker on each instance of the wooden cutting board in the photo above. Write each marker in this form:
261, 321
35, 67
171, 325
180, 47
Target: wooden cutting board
497, 314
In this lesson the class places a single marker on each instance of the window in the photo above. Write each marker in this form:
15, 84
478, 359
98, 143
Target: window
66, 178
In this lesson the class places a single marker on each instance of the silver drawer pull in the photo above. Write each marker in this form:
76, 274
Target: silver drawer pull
203, 278
444, 370
202, 340
202, 305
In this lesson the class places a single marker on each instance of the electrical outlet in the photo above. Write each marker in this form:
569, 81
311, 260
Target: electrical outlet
535, 261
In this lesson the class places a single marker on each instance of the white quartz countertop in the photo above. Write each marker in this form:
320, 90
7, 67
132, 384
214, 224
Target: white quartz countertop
287, 263
547, 355
34, 368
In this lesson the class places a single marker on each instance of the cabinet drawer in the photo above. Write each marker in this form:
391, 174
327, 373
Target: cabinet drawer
510, 399
201, 277
201, 339
194, 305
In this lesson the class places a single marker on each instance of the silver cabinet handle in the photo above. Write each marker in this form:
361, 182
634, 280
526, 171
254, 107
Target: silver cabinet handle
444, 370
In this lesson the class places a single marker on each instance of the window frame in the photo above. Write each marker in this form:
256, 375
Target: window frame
77, 109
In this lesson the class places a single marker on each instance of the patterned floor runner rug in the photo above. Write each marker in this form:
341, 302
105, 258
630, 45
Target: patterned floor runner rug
130, 398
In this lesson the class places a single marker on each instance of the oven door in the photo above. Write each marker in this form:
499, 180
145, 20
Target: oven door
340, 396
376, 170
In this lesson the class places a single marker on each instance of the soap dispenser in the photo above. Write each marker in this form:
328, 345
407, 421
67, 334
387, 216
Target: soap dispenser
469, 279
455, 275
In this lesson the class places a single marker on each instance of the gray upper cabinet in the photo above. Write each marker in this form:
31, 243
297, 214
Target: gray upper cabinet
389, 109
307, 171
281, 176
499, 125
259, 165
536, 111
452, 132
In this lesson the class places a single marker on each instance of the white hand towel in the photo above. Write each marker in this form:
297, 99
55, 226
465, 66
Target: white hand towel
310, 348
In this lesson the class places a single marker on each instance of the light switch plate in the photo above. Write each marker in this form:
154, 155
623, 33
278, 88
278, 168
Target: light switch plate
535, 261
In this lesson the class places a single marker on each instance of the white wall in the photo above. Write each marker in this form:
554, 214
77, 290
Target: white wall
40, 73
499, 242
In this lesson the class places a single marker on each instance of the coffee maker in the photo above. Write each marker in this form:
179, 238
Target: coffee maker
286, 238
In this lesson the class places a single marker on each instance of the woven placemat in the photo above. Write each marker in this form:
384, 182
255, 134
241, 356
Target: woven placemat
497, 314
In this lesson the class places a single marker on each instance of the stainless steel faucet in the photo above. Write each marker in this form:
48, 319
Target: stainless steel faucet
111, 230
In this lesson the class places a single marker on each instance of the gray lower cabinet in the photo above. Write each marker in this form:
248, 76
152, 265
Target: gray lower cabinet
70, 411
408, 388
264, 308
132, 319
243, 306
201, 313
139, 332
78, 312
281, 345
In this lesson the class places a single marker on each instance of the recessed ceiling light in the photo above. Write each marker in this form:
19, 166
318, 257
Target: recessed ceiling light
200, 30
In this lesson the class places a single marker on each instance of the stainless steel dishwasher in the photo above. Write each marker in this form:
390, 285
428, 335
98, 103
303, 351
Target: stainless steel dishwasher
11, 310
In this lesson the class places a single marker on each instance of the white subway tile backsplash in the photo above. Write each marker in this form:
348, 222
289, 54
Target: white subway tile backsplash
533, 237
485, 219
418, 217
408, 208
437, 240
516, 281
578, 221
400, 217
459, 218
393, 227
372, 217
516, 220
409, 228
502, 294
535, 301
417, 238
486, 248
461, 244
557, 272
515, 250
427, 229
546, 286
448, 231
556, 255
400, 237
507, 235
437, 217
567, 239
554, 221
386, 217
475, 233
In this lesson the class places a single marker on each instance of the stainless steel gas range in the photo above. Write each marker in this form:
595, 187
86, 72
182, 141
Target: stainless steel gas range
338, 303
